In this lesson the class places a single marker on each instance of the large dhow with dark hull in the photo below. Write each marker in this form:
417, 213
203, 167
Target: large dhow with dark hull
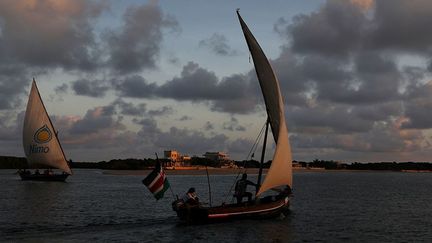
279, 174
41, 144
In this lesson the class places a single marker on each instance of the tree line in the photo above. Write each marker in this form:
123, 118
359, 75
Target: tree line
9, 162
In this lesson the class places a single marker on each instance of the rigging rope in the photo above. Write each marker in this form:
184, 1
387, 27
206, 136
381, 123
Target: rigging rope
251, 152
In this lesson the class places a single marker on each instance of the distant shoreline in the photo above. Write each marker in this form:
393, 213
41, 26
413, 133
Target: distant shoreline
230, 171
198, 171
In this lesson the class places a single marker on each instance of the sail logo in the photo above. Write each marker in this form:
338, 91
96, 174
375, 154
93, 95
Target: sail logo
43, 135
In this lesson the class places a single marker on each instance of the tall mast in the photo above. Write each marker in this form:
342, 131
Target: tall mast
262, 156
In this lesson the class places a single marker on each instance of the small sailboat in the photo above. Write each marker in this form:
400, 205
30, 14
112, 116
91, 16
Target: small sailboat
279, 175
40, 142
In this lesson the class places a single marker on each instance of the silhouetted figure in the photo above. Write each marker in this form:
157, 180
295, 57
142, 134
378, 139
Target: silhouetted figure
190, 202
285, 192
240, 189
190, 198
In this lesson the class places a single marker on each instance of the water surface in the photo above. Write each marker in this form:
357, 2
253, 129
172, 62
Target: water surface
327, 206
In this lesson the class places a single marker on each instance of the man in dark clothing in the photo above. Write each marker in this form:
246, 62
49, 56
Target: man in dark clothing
240, 189
190, 197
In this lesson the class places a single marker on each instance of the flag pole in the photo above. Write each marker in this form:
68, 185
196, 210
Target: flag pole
209, 189
174, 196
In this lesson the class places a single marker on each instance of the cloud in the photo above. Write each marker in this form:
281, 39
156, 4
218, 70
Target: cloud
136, 111
218, 44
136, 45
61, 89
383, 137
99, 129
355, 76
11, 124
232, 94
402, 26
95, 120
363, 4
348, 82
185, 118
184, 140
91, 88
417, 114
47, 33
13, 83
134, 86
233, 125
195, 83
129, 108
163, 111
334, 30
208, 126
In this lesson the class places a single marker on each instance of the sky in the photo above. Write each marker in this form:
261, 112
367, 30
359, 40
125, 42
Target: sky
126, 79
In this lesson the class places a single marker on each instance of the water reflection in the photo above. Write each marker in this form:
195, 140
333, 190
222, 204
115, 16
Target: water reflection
41, 201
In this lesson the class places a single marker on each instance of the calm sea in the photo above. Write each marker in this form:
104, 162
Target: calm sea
326, 207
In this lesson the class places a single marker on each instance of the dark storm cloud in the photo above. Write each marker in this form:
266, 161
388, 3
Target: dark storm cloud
122, 107
91, 88
149, 131
49, 33
11, 133
95, 120
402, 25
349, 80
163, 111
36, 36
136, 45
135, 87
294, 84
238, 146
194, 83
61, 89
218, 44
335, 29
232, 94
374, 79
382, 137
11, 126
379, 78
238, 94
129, 108
377, 112
13, 83
417, 111
329, 118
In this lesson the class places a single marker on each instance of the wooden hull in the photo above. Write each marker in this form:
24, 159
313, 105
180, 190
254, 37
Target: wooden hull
43, 177
265, 208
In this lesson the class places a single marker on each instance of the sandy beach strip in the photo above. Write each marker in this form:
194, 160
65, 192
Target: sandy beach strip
198, 171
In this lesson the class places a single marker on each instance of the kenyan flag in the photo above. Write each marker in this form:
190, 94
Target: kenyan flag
156, 181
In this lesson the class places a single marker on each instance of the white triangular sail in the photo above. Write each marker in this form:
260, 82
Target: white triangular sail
280, 172
41, 145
